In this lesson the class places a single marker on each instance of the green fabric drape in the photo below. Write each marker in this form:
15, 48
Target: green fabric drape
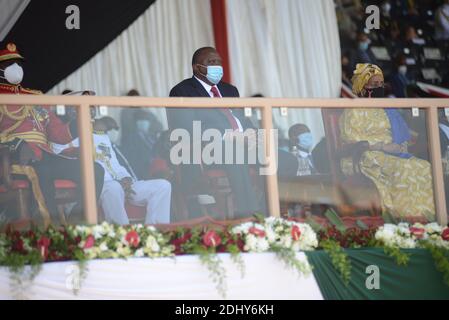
418, 280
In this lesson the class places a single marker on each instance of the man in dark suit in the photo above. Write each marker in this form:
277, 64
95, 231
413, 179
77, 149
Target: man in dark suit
206, 82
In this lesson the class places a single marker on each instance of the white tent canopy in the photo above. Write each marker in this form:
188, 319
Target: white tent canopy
9, 14
296, 56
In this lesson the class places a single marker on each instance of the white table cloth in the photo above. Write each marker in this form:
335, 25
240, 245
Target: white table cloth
183, 277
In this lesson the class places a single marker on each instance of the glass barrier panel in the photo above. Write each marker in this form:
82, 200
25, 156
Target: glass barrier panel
354, 163
443, 124
40, 177
183, 163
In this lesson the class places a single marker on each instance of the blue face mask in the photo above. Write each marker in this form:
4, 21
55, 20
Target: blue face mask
305, 140
363, 46
214, 73
143, 125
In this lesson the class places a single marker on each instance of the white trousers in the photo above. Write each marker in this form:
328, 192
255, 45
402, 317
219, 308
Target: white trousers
155, 195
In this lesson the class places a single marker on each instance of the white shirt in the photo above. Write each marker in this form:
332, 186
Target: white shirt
208, 88
306, 155
104, 155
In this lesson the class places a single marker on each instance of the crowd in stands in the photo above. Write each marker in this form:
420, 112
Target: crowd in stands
411, 45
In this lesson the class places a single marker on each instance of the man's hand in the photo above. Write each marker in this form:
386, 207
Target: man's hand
26, 154
127, 187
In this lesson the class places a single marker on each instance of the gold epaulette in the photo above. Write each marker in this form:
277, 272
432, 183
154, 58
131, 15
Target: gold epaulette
29, 136
31, 91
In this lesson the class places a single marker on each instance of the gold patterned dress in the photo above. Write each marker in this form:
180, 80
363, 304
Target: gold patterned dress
405, 185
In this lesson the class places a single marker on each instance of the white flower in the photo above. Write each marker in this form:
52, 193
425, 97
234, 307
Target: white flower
124, 251
270, 234
152, 244
139, 253
433, 228
97, 231
286, 241
103, 246
151, 228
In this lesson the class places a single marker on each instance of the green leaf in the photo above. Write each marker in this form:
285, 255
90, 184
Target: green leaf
388, 218
361, 225
259, 217
314, 225
339, 258
332, 216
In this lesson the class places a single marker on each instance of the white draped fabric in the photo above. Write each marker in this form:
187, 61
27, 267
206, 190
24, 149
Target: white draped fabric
9, 13
286, 48
152, 55
266, 278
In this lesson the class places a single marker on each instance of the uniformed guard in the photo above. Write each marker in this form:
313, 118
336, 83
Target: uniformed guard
29, 132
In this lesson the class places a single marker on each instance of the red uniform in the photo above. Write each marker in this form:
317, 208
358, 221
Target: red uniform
38, 126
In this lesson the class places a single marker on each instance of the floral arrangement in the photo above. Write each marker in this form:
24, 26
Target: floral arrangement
275, 233
417, 235
284, 237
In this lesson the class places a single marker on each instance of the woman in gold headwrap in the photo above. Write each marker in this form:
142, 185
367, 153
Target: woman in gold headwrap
404, 181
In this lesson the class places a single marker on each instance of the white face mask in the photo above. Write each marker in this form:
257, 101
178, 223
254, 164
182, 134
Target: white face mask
113, 135
13, 74
403, 70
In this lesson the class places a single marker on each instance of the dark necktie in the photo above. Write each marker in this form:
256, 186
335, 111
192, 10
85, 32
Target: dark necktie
226, 112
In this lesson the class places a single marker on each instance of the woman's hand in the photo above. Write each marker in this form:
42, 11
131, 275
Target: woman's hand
392, 148
387, 147
377, 147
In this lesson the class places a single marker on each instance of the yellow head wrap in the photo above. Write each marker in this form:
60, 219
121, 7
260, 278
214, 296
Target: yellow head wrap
362, 73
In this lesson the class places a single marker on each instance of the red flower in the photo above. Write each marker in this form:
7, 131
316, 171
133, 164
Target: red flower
132, 238
178, 242
17, 246
257, 232
296, 233
417, 232
90, 241
42, 245
445, 234
211, 239
30, 234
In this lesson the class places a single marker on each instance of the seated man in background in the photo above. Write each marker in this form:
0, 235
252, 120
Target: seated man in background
399, 79
312, 159
121, 185
301, 141
139, 139
362, 52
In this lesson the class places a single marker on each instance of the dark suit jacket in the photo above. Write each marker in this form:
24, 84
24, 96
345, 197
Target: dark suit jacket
210, 118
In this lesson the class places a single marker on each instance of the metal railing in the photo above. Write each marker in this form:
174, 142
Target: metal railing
83, 103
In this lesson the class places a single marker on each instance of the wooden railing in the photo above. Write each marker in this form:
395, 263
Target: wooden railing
265, 104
